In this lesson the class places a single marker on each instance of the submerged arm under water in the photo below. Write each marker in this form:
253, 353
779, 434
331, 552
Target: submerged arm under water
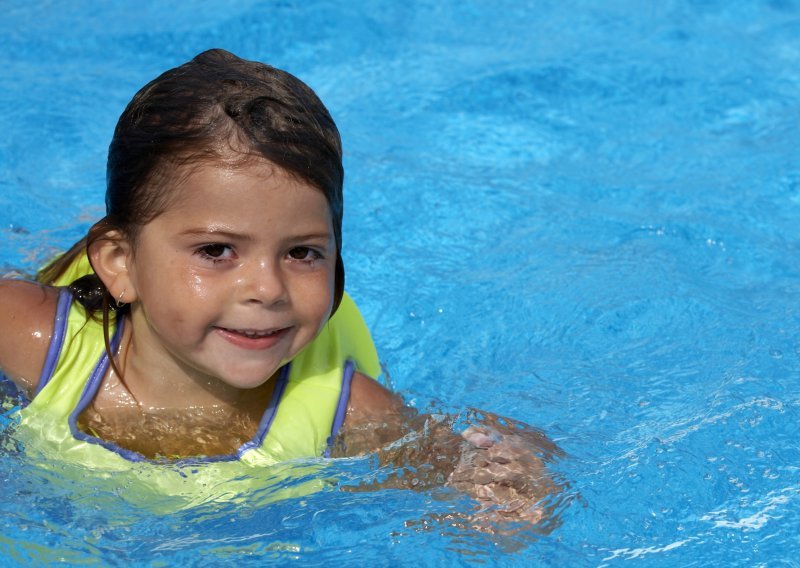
502, 464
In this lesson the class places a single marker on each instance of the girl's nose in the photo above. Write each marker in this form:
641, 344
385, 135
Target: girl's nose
263, 283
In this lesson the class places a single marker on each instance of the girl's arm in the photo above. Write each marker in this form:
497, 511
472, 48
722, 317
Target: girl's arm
499, 462
27, 311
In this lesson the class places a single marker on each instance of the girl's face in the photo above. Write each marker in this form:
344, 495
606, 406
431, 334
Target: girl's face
234, 278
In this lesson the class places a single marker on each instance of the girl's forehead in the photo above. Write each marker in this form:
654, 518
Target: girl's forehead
234, 190
186, 179
253, 181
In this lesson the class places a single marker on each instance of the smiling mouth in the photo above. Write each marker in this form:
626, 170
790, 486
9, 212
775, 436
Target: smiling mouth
252, 334
251, 338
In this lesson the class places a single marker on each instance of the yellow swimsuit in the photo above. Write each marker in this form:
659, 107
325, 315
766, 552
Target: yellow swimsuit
307, 408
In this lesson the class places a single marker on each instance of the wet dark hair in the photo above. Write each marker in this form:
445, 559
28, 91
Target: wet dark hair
214, 108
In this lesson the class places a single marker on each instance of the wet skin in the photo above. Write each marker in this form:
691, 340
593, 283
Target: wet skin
228, 284
225, 286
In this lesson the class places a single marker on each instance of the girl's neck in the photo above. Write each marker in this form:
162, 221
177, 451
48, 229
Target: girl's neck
163, 383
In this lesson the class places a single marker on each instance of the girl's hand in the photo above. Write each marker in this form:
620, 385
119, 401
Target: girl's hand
503, 469
500, 463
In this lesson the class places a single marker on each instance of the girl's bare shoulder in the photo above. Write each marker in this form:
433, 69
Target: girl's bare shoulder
371, 402
27, 312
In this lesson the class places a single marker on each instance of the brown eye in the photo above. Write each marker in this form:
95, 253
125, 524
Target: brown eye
215, 250
304, 254
299, 253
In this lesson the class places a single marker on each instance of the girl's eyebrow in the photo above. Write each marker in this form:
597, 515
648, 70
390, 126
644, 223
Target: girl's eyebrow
325, 236
229, 235
215, 232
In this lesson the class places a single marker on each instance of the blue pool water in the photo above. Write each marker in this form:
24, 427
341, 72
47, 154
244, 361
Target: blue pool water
581, 215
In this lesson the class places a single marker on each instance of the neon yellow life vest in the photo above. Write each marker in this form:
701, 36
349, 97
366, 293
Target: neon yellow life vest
307, 405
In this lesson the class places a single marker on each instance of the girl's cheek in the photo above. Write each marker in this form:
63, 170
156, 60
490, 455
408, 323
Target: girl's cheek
198, 286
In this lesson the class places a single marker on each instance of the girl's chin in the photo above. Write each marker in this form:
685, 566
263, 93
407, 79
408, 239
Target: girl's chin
251, 379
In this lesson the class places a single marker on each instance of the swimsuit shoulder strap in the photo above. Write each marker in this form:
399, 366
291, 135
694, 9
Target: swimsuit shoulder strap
76, 352
315, 396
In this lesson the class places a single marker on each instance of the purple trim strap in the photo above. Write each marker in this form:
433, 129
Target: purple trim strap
341, 407
89, 392
93, 384
269, 414
57, 340
97, 377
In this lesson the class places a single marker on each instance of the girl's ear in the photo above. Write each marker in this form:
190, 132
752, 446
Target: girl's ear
111, 256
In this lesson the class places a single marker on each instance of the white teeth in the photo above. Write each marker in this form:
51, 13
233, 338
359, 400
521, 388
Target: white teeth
257, 334
254, 334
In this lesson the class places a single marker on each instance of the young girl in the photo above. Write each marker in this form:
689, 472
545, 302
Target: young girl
203, 320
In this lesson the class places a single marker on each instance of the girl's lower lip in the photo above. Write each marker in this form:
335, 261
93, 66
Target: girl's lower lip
255, 343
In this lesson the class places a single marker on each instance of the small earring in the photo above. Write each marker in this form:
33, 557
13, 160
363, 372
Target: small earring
120, 303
